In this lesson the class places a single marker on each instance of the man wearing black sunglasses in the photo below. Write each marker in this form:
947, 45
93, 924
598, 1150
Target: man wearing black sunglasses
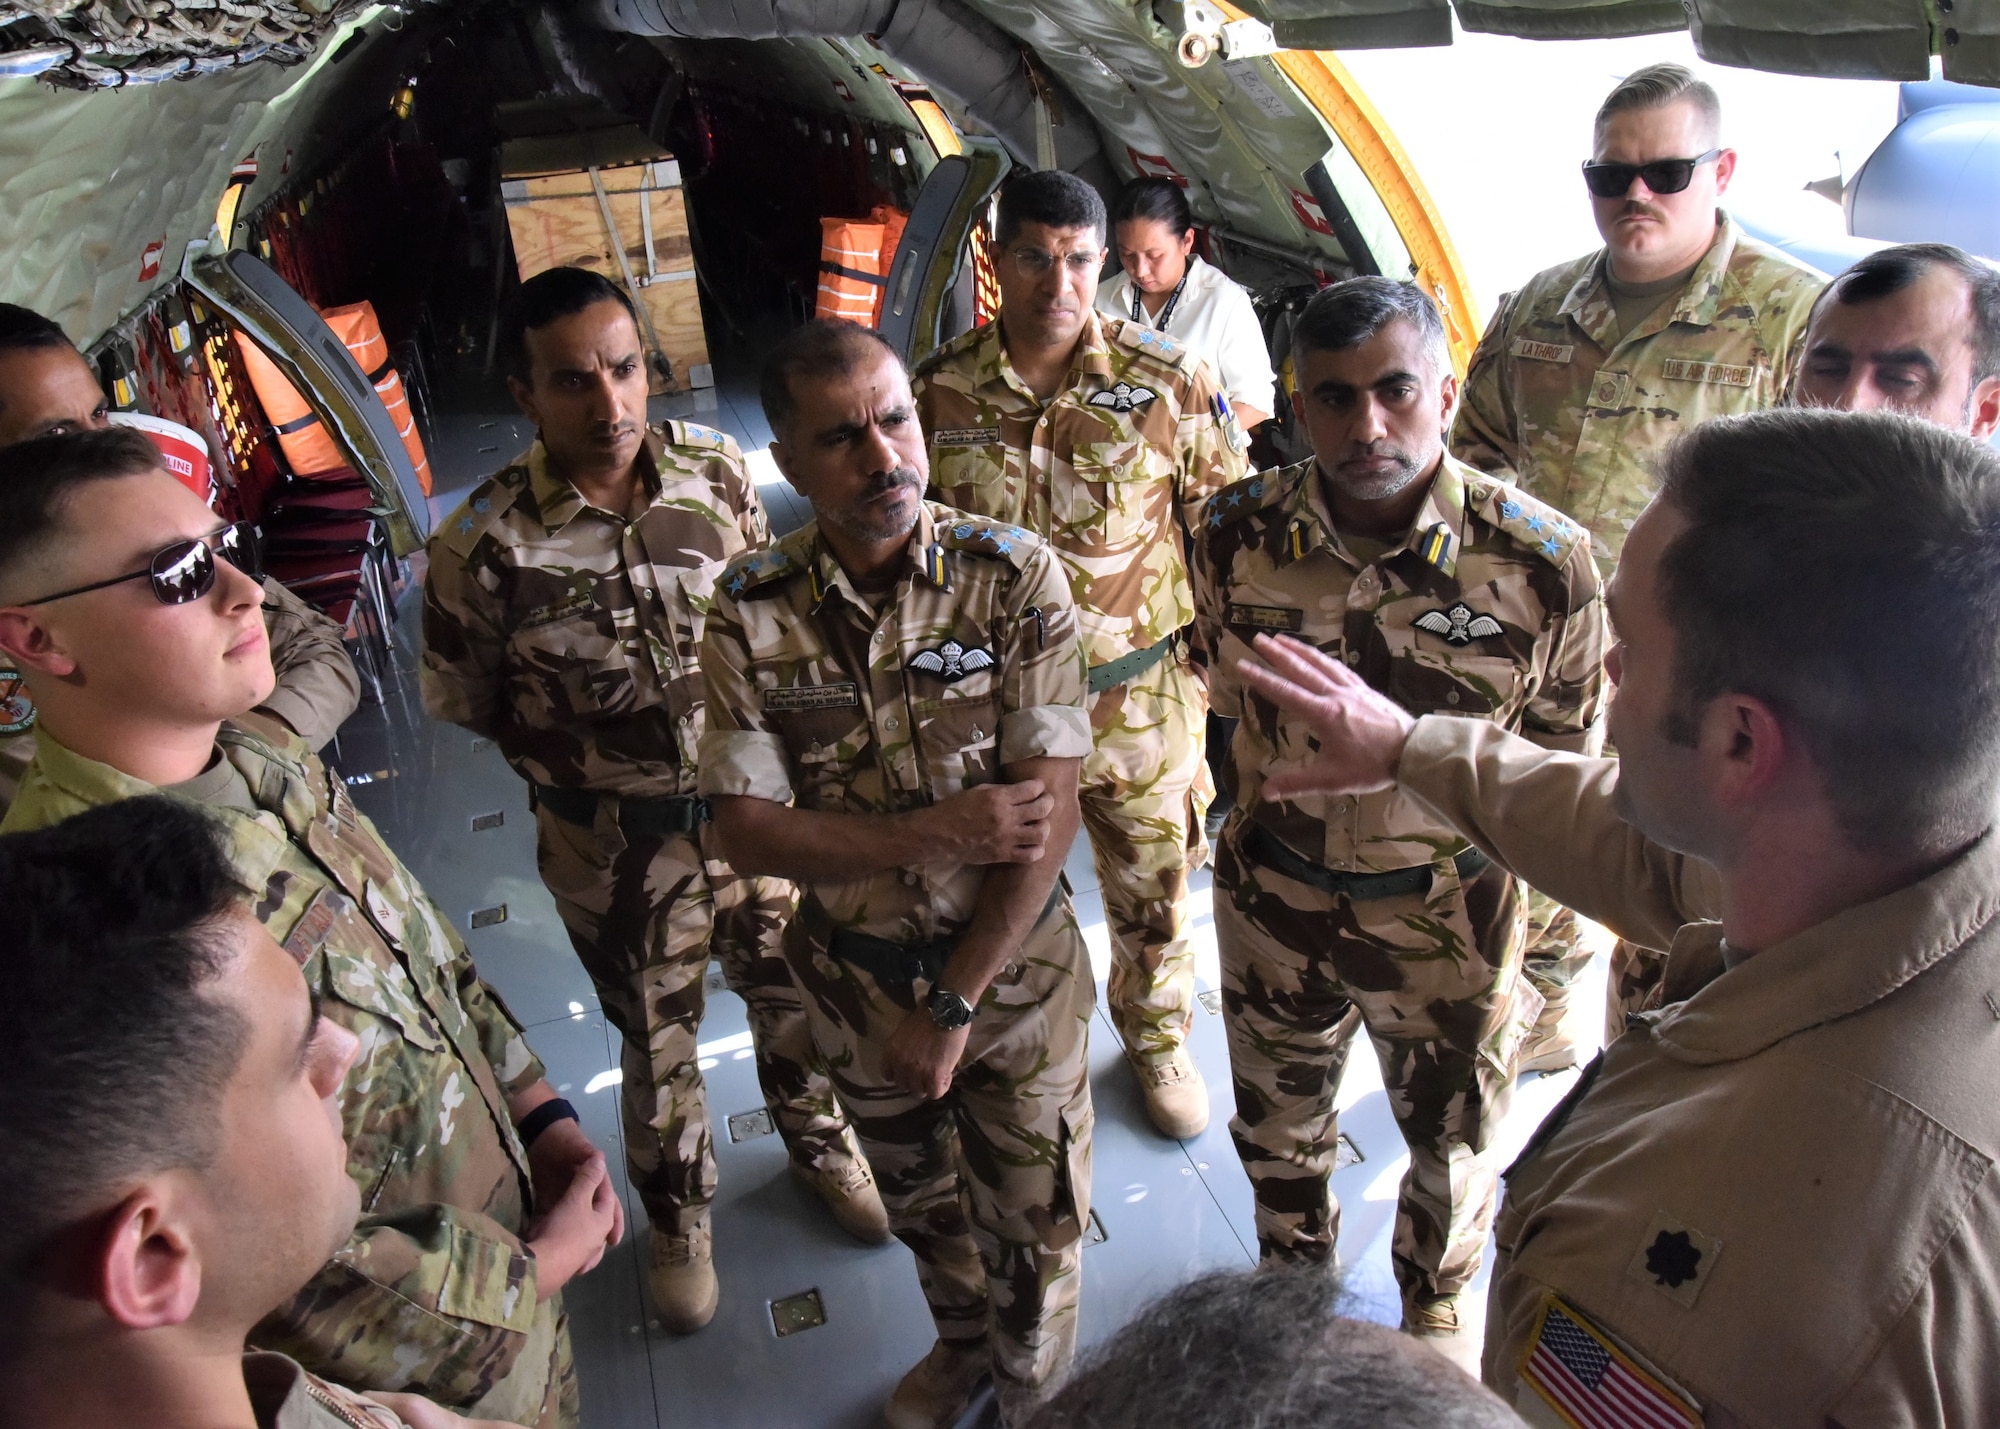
143, 645
1588, 372
46, 389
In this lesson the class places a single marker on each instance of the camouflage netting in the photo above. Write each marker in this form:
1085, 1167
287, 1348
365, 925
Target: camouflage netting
93, 44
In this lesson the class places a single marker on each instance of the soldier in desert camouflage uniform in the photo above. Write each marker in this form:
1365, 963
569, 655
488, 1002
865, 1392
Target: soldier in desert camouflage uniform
908, 679
1103, 437
1587, 372
441, 1290
562, 617
1452, 593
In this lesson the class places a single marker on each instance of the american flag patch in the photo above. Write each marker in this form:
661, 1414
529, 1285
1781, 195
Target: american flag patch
1591, 1384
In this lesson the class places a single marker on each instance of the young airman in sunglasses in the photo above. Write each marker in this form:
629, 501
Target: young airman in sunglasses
1588, 372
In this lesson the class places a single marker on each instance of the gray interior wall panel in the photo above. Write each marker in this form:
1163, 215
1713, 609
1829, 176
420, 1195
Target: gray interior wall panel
1357, 24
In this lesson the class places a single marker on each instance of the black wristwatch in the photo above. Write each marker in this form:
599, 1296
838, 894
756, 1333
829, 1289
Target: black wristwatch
948, 1010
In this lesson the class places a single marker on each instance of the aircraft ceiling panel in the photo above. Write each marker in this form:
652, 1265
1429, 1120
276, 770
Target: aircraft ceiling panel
1241, 136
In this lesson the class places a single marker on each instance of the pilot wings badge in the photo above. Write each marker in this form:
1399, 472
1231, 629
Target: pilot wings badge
1123, 398
1458, 624
952, 662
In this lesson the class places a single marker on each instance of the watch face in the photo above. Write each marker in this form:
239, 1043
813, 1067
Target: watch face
948, 1010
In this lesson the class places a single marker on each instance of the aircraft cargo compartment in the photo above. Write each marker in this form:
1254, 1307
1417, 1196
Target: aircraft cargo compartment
612, 201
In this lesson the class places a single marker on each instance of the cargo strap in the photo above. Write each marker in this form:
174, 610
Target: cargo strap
625, 269
855, 273
1271, 851
640, 818
1128, 667
895, 966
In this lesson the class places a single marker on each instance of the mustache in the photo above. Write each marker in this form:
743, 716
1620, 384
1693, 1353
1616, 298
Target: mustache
1633, 207
884, 482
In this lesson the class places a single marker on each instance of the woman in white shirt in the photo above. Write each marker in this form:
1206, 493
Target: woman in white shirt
1165, 286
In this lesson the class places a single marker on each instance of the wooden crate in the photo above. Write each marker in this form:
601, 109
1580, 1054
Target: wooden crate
555, 219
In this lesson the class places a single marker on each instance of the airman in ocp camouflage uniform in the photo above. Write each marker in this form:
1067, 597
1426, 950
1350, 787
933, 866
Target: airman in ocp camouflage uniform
571, 636
1563, 404
1336, 915
434, 1293
818, 699
1112, 473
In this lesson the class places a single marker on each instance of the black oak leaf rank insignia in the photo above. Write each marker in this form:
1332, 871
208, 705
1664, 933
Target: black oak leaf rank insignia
1673, 1259
952, 662
1123, 398
1457, 624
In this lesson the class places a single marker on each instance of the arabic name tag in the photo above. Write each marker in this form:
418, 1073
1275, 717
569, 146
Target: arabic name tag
786, 699
965, 436
1267, 617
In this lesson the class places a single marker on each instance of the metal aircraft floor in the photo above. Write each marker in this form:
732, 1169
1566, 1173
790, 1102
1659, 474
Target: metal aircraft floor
1166, 1210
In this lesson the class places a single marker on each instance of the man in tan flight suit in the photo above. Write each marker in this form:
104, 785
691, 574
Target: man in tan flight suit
1771, 1201
562, 617
46, 388
1104, 437
1450, 592
896, 722
1588, 371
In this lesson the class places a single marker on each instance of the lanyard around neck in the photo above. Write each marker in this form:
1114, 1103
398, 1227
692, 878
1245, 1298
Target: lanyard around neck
1167, 312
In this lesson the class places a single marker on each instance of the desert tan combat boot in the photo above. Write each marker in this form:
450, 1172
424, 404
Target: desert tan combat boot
1176, 1096
681, 1271
1438, 1324
935, 1393
847, 1186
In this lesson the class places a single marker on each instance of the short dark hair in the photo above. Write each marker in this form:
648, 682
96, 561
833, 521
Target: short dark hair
1264, 1347
38, 478
824, 347
1348, 313
1844, 568
1051, 197
1890, 270
25, 330
551, 294
1154, 199
116, 1051
1657, 85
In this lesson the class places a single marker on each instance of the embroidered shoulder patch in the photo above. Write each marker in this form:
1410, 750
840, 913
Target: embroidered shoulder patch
1677, 369
1541, 351
17, 708
1590, 1382
786, 699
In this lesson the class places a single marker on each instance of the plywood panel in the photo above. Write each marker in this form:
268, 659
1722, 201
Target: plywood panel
555, 220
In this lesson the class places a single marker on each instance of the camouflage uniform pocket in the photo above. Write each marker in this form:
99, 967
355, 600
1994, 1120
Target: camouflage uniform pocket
1079, 1121
1120, 495
1482, 686
567, 666
823, 747
959, 739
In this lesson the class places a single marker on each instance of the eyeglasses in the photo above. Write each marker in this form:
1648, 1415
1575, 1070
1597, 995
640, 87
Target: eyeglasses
1034, 262
1662, 176
185, 571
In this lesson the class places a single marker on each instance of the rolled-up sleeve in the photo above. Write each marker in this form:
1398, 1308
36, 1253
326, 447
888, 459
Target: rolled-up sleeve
1043, 677
740, 752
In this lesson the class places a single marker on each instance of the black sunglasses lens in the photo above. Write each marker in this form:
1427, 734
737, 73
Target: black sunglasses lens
1662, 176
240, 546
183, 572
1668, 176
